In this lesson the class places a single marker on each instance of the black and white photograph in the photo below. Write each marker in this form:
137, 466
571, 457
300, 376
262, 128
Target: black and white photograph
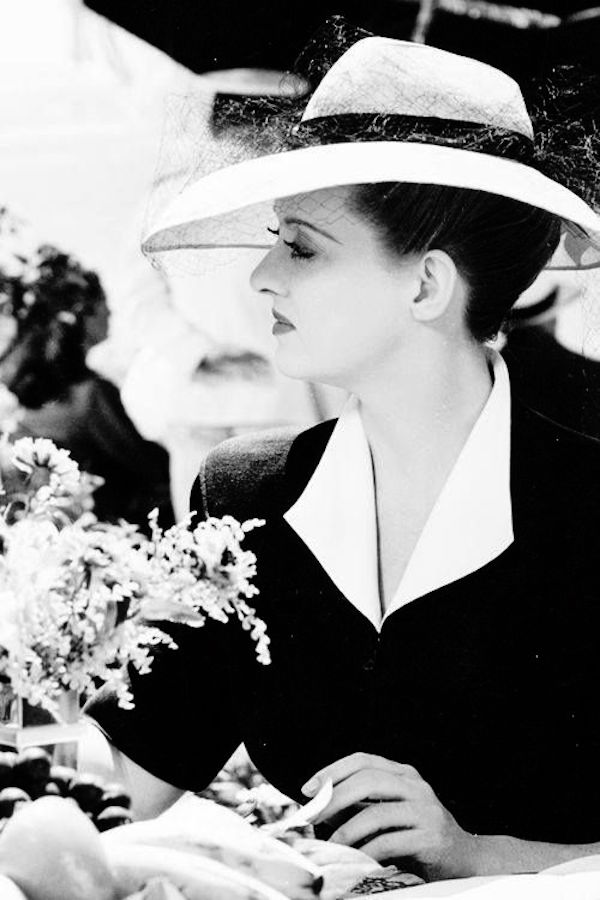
299, 450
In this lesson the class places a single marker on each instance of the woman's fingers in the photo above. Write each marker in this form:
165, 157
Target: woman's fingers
367, 784
369, 822
393, 846
348, 765
408, 822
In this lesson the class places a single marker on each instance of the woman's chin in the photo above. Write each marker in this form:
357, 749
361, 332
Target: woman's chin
291, 364
294, 372
296, 365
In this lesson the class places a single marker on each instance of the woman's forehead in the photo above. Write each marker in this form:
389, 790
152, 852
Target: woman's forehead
324, 207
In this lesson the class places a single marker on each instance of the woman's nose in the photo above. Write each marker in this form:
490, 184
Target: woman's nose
267, 276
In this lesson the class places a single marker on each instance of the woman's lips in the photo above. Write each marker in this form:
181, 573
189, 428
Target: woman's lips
281, 324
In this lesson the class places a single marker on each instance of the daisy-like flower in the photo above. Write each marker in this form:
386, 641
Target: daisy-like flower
34, 453
51, 470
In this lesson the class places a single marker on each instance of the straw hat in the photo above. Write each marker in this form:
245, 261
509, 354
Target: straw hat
387, 110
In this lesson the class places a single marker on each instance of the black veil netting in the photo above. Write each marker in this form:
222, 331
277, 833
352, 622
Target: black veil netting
213, 130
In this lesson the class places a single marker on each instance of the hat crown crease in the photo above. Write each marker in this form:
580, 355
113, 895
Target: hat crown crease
389, 77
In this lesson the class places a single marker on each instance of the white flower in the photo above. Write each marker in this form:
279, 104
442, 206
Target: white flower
33, 453
77, 599
40, 456
265, 795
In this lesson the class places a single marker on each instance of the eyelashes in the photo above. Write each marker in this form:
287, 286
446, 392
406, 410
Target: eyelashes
297, 251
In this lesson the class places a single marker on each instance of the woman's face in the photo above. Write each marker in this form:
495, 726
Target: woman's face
340, 300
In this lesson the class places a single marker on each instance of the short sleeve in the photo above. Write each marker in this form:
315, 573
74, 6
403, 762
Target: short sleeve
184, 725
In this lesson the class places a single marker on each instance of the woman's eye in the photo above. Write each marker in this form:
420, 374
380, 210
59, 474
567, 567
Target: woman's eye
297, 250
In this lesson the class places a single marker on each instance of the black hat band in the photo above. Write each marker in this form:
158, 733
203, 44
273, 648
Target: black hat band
364, 127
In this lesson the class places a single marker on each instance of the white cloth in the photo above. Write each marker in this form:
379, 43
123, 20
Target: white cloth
469, 525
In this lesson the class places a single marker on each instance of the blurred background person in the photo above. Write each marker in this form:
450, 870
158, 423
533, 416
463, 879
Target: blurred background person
53, 311
552, 349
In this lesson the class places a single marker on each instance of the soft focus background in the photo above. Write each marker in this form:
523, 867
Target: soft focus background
180, 364
82, 103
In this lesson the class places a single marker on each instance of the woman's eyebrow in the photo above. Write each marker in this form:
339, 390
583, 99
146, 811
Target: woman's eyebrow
292, 220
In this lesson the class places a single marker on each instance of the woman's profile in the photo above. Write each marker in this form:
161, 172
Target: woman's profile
427, 570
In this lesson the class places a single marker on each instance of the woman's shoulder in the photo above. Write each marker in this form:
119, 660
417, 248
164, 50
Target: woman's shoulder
260, 473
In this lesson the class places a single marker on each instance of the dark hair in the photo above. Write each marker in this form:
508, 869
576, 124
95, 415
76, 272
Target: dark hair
498, 245
51, 310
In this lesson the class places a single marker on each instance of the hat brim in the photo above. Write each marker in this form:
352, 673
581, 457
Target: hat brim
203, 215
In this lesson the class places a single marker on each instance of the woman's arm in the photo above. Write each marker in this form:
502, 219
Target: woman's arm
501, 854
149, 795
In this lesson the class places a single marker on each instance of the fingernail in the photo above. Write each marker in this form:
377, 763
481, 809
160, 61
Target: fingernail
311, 787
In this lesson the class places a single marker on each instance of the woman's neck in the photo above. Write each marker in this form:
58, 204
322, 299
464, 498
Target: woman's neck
425, 409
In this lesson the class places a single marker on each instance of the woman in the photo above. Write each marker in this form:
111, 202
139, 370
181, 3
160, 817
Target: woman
427, 566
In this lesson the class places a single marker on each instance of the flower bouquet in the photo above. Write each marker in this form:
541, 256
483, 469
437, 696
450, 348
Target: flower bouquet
81, 600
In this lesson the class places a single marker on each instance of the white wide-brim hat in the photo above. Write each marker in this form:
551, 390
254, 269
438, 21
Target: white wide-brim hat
386, 111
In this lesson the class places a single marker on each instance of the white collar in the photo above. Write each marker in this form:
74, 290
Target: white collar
470, 524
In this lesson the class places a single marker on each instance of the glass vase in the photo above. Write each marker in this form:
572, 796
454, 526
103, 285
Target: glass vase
23, 725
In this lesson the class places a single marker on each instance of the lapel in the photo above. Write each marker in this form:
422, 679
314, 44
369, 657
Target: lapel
335, 514
470, 525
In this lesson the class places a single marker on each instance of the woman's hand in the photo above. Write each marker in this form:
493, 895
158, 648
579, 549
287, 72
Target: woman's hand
400, 818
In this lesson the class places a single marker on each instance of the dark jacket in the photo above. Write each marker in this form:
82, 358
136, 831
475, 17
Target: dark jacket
489, 686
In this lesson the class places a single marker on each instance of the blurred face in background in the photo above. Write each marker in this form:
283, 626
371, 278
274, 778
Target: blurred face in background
96, 324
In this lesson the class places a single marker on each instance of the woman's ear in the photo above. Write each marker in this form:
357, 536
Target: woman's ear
438, 283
